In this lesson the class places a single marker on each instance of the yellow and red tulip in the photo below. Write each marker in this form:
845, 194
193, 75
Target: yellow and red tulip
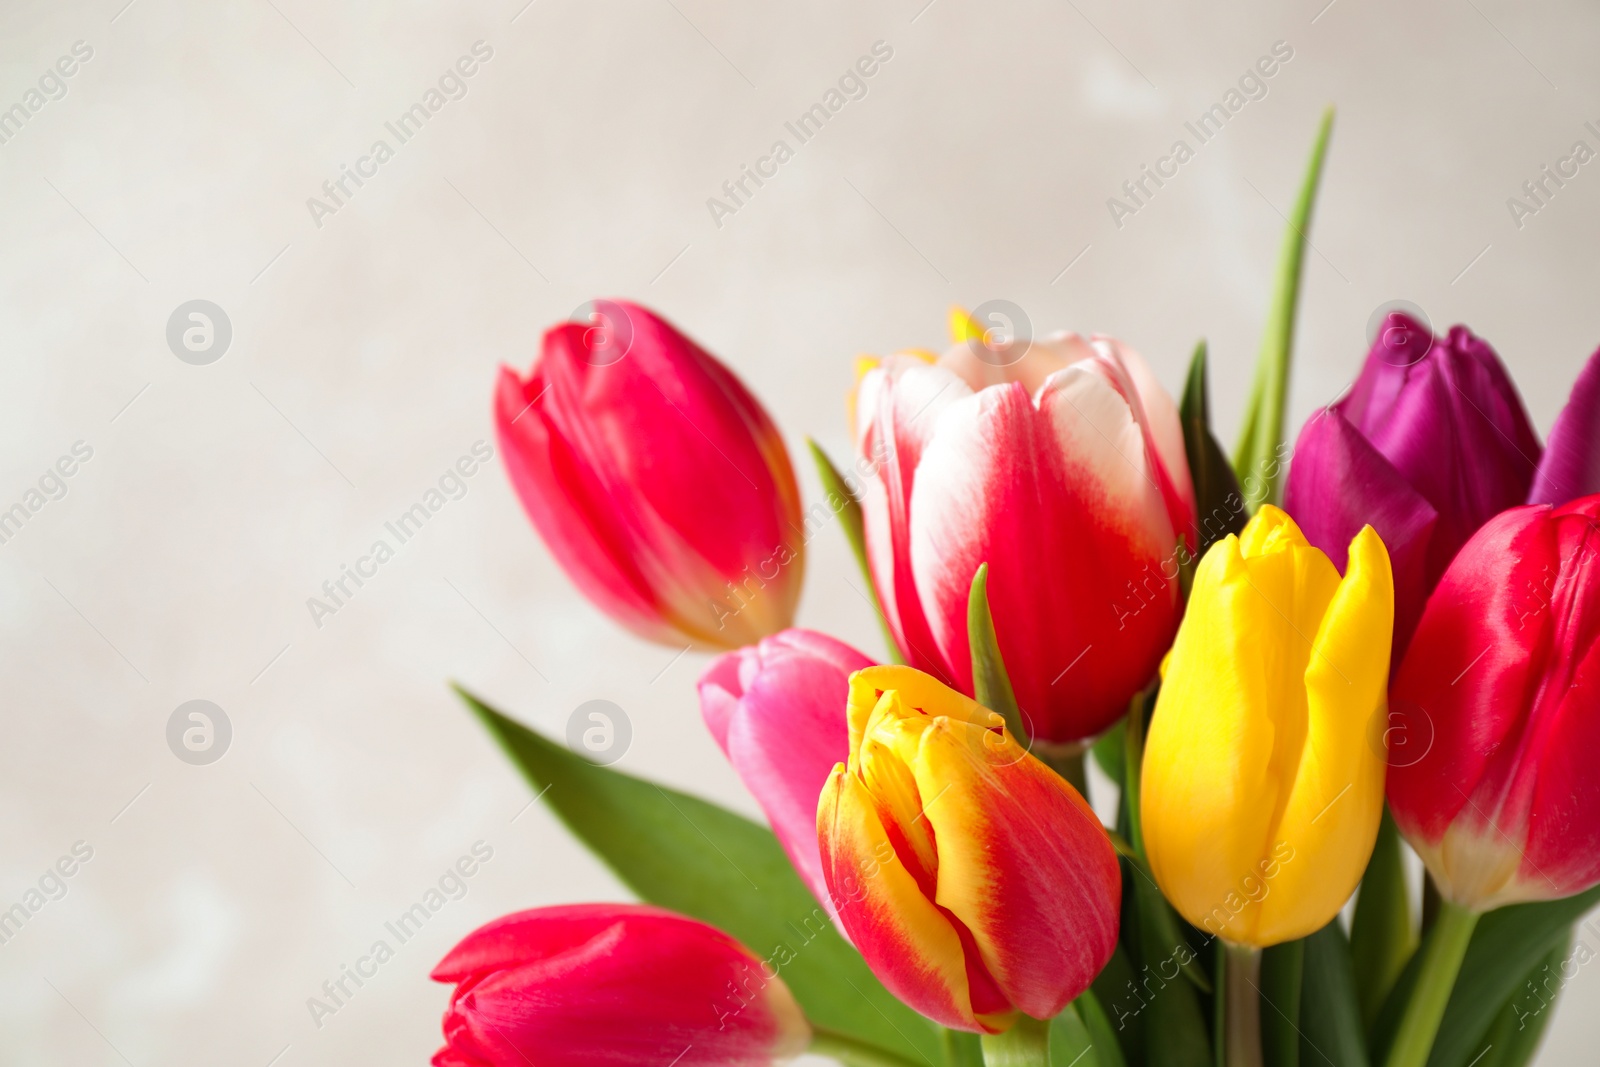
657, 480
976, 882
1263, 772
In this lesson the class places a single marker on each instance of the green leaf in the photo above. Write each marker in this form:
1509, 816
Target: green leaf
1174, 1026
1515, 1035
1257, 461
1071, 1043
1108, 1050
1382, 938
962, 1049
1219, 507
695, 858
991, 687
1507, 944
1113, 989
1331, 1031
847, 505
1282, 975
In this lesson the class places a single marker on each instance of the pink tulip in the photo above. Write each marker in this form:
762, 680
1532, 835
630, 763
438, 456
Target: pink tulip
613, 985
1060, 463
658, 481
778, 711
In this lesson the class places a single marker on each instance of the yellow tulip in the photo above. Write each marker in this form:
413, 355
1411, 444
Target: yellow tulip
1263, 768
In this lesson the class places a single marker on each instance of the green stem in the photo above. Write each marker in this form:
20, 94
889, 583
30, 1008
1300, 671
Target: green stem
1242, 1041
853, 1051
1442, 953
1026, 1044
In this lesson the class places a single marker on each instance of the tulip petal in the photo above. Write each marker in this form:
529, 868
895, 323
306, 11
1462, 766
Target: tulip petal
898, 406
1023, 863
1570, 467
1332, 812
1338, 483
909, 944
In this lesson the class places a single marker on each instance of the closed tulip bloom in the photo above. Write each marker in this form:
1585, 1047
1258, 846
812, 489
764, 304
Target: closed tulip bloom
1496, 786
1060, 463
777, 708
1429, 444
658, 482
975, 881
612, 985
1263, 781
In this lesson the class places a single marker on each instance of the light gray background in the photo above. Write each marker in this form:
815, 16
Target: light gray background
220, 497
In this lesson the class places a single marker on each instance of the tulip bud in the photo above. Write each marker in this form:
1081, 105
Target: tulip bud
1495, 785
622, 985
1429, 444
1262, 785
975, 881
1060, 463
778, 711
657, 480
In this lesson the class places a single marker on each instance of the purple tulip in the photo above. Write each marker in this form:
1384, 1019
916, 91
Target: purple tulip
1571, 464
1430, 443
777, 708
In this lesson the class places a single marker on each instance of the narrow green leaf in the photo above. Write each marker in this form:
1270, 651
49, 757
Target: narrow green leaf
1174, 1026
1108, 1050
1114, 991
1257, 461
695, 858
1282, 977
991, 687
1507, 944
1382, 938
1219, 507
961, 1049
1133, 766
1519, 1028
1071, 1043
847, 505
1331, 1030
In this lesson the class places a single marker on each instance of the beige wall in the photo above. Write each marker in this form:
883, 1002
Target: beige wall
177, 166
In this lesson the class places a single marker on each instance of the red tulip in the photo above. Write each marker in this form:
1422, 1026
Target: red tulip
612, 985
657, 480
1495, 713
778, 711
1060, 463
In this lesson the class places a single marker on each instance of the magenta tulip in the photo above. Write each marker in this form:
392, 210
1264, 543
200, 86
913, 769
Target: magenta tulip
657, 480
778, 711
1571, 464
613, 985
1429, 444
1059, 463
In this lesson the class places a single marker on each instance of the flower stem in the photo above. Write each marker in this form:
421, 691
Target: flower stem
1242, 1037
1027, 1044
1442, 953
853, 1051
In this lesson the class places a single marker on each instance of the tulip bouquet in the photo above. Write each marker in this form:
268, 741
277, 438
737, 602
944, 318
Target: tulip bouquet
1070, 572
